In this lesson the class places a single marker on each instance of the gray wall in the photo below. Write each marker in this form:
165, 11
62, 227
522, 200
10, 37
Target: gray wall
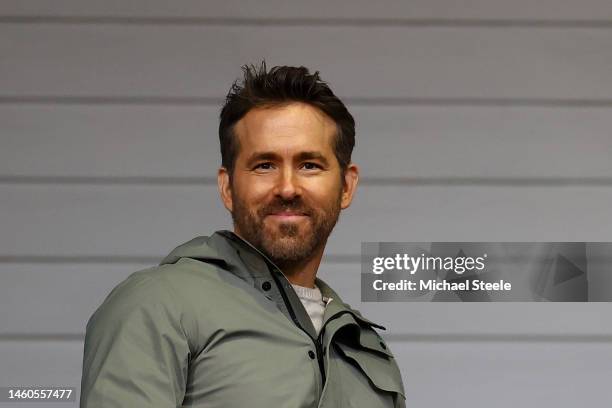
479, 120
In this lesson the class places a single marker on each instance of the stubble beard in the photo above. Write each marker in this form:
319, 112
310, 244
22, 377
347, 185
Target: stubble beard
287, 243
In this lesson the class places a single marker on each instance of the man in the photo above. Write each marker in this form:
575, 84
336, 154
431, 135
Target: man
239, 319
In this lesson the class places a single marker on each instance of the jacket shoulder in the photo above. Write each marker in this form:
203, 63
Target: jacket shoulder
138, 325
142, 291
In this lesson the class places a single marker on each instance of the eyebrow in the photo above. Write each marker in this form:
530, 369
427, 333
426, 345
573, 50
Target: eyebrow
311, 155
256, 156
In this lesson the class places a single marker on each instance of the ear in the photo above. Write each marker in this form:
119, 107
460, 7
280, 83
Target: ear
351, 179
225, 188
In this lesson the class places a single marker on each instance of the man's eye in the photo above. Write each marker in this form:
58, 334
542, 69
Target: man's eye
311, 166
263, 166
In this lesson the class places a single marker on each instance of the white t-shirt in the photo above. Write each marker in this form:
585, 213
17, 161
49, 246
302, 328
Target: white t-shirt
313, 302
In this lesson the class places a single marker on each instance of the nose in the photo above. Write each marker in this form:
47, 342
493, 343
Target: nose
288, 185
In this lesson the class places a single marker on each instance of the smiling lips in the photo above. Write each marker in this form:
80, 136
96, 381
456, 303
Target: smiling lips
288, 216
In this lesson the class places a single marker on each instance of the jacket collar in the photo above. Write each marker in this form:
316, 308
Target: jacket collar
238, 256
334, 307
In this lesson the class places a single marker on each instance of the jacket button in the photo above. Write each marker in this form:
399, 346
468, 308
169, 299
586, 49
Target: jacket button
311, 354
383, 345
266, 286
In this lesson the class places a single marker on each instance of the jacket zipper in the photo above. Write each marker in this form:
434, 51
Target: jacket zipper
320, 357
319, 344
317, 341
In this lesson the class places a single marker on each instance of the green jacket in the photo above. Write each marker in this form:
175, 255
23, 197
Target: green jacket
218, 325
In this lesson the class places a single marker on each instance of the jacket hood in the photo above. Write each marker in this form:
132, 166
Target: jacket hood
223, 248
200, 248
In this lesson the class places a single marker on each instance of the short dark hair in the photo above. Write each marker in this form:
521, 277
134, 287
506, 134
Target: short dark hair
278, 86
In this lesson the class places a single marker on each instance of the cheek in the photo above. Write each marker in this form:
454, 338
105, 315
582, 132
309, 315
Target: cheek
252, 195
324, 193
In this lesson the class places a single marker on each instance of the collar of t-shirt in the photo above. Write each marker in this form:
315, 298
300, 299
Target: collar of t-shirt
313, 302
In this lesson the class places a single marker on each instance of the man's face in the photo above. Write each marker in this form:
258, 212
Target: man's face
286, 190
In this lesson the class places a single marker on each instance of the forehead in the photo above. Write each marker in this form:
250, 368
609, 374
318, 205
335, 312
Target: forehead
286, 129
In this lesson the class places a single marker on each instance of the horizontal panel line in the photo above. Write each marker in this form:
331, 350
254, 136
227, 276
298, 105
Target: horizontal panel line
110, 180
499, 338
309, 21
398, 337
467, 101
488, 181
42, 337
366, 181
109, 100
351, 101
127, 259
81, 259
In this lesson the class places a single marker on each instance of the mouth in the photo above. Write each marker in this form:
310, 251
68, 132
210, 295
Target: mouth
288, 216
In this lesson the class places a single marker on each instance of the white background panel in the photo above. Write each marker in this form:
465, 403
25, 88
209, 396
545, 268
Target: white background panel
109, 140
447, 213
34, 363
425, 141
140, 220
505, 375
202, 61
55, 299
83, 220
408, 141
393, 9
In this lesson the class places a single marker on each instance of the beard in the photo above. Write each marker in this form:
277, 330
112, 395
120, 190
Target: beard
286, 243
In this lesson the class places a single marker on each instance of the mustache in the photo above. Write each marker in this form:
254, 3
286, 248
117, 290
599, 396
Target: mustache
279, 205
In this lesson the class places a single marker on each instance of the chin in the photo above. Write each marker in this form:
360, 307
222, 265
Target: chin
286, 246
